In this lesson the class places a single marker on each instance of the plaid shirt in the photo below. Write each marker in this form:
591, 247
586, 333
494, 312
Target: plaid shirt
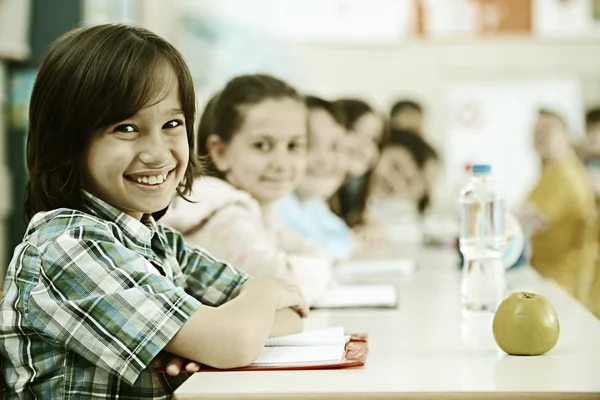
92, 297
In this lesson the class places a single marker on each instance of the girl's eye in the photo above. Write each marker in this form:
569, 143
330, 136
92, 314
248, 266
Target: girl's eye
125, 128
297, 146
173, 124
262, 146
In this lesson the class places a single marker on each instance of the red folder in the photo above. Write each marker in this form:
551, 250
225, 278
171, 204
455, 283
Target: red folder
356, 354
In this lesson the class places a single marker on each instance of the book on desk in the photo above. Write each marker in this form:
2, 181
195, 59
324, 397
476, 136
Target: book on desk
319, 349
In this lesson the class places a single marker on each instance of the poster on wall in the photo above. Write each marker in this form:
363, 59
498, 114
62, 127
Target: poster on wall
472, 18
14, 29
492, 122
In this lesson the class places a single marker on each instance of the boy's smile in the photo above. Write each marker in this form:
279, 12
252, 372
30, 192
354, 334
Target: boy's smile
136, 165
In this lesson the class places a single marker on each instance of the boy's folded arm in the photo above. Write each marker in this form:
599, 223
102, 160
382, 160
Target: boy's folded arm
233, 334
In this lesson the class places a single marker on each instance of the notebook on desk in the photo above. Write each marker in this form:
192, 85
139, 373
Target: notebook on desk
364, 269
321, 349
358, 296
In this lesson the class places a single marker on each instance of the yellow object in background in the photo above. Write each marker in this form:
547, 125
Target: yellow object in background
565, 248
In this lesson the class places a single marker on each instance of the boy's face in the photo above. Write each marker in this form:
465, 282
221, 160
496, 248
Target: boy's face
267, 156
363, 144
327, 163
137, 164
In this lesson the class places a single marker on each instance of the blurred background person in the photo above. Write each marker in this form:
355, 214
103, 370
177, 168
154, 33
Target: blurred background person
407, 114
559, 213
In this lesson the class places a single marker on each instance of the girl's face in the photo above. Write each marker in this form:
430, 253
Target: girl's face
363, 144
327, 161
267, 156
136, 165
397, 174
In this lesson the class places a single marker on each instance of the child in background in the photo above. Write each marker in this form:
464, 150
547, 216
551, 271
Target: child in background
253, 136
407, 115
591, 158
365, 137
405, 169
559, 215
97, 289
306, 211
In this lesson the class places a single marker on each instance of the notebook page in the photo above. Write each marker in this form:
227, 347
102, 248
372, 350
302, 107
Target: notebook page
365, 268
355, 296
298, 355
322, 337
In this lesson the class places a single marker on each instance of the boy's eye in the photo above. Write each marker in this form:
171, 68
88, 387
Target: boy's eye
263, 145
125, 128
173, 124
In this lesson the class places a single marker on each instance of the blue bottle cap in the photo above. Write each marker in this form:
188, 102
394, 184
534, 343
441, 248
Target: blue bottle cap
481, 169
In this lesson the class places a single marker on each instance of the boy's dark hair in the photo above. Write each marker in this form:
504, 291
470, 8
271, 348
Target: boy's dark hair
592, 116
91, 78
225, 112
401, 105
318, 103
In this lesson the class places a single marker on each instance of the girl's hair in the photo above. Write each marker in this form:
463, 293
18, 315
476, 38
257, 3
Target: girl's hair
225, 112
91, 78
318, 103
351, 110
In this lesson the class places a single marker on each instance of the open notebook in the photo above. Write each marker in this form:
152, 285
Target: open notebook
361, 269
320, 349
358, 296
325, 346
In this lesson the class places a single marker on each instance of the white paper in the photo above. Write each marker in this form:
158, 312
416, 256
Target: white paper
355, 296
299, 355
323, 337
321, 346
372, 268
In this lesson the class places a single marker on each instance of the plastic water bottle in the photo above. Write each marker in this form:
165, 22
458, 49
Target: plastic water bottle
482, 241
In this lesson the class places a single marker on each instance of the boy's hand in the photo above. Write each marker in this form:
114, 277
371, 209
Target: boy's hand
173, 365
287, 296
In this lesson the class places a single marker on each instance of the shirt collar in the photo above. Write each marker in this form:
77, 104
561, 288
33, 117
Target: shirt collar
139, 232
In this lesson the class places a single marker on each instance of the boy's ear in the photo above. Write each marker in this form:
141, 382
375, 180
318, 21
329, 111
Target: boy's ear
217, 150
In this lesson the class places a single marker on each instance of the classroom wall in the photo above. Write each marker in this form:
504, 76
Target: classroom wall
417, 68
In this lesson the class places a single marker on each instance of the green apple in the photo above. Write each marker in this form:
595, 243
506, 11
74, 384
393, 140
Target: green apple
525, 324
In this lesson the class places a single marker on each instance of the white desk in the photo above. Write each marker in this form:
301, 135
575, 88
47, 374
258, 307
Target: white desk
425, 350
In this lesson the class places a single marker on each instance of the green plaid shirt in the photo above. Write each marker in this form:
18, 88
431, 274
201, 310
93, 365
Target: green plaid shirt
92, 297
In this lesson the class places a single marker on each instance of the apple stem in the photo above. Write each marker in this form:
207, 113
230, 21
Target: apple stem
526, 296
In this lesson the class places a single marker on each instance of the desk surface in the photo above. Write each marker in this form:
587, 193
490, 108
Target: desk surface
425, 349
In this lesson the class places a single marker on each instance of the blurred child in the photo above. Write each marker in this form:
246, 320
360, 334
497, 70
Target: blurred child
98, 288
407, 115
591, 157
559, 213
306, 211
365, 136
406, 168
253, 137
